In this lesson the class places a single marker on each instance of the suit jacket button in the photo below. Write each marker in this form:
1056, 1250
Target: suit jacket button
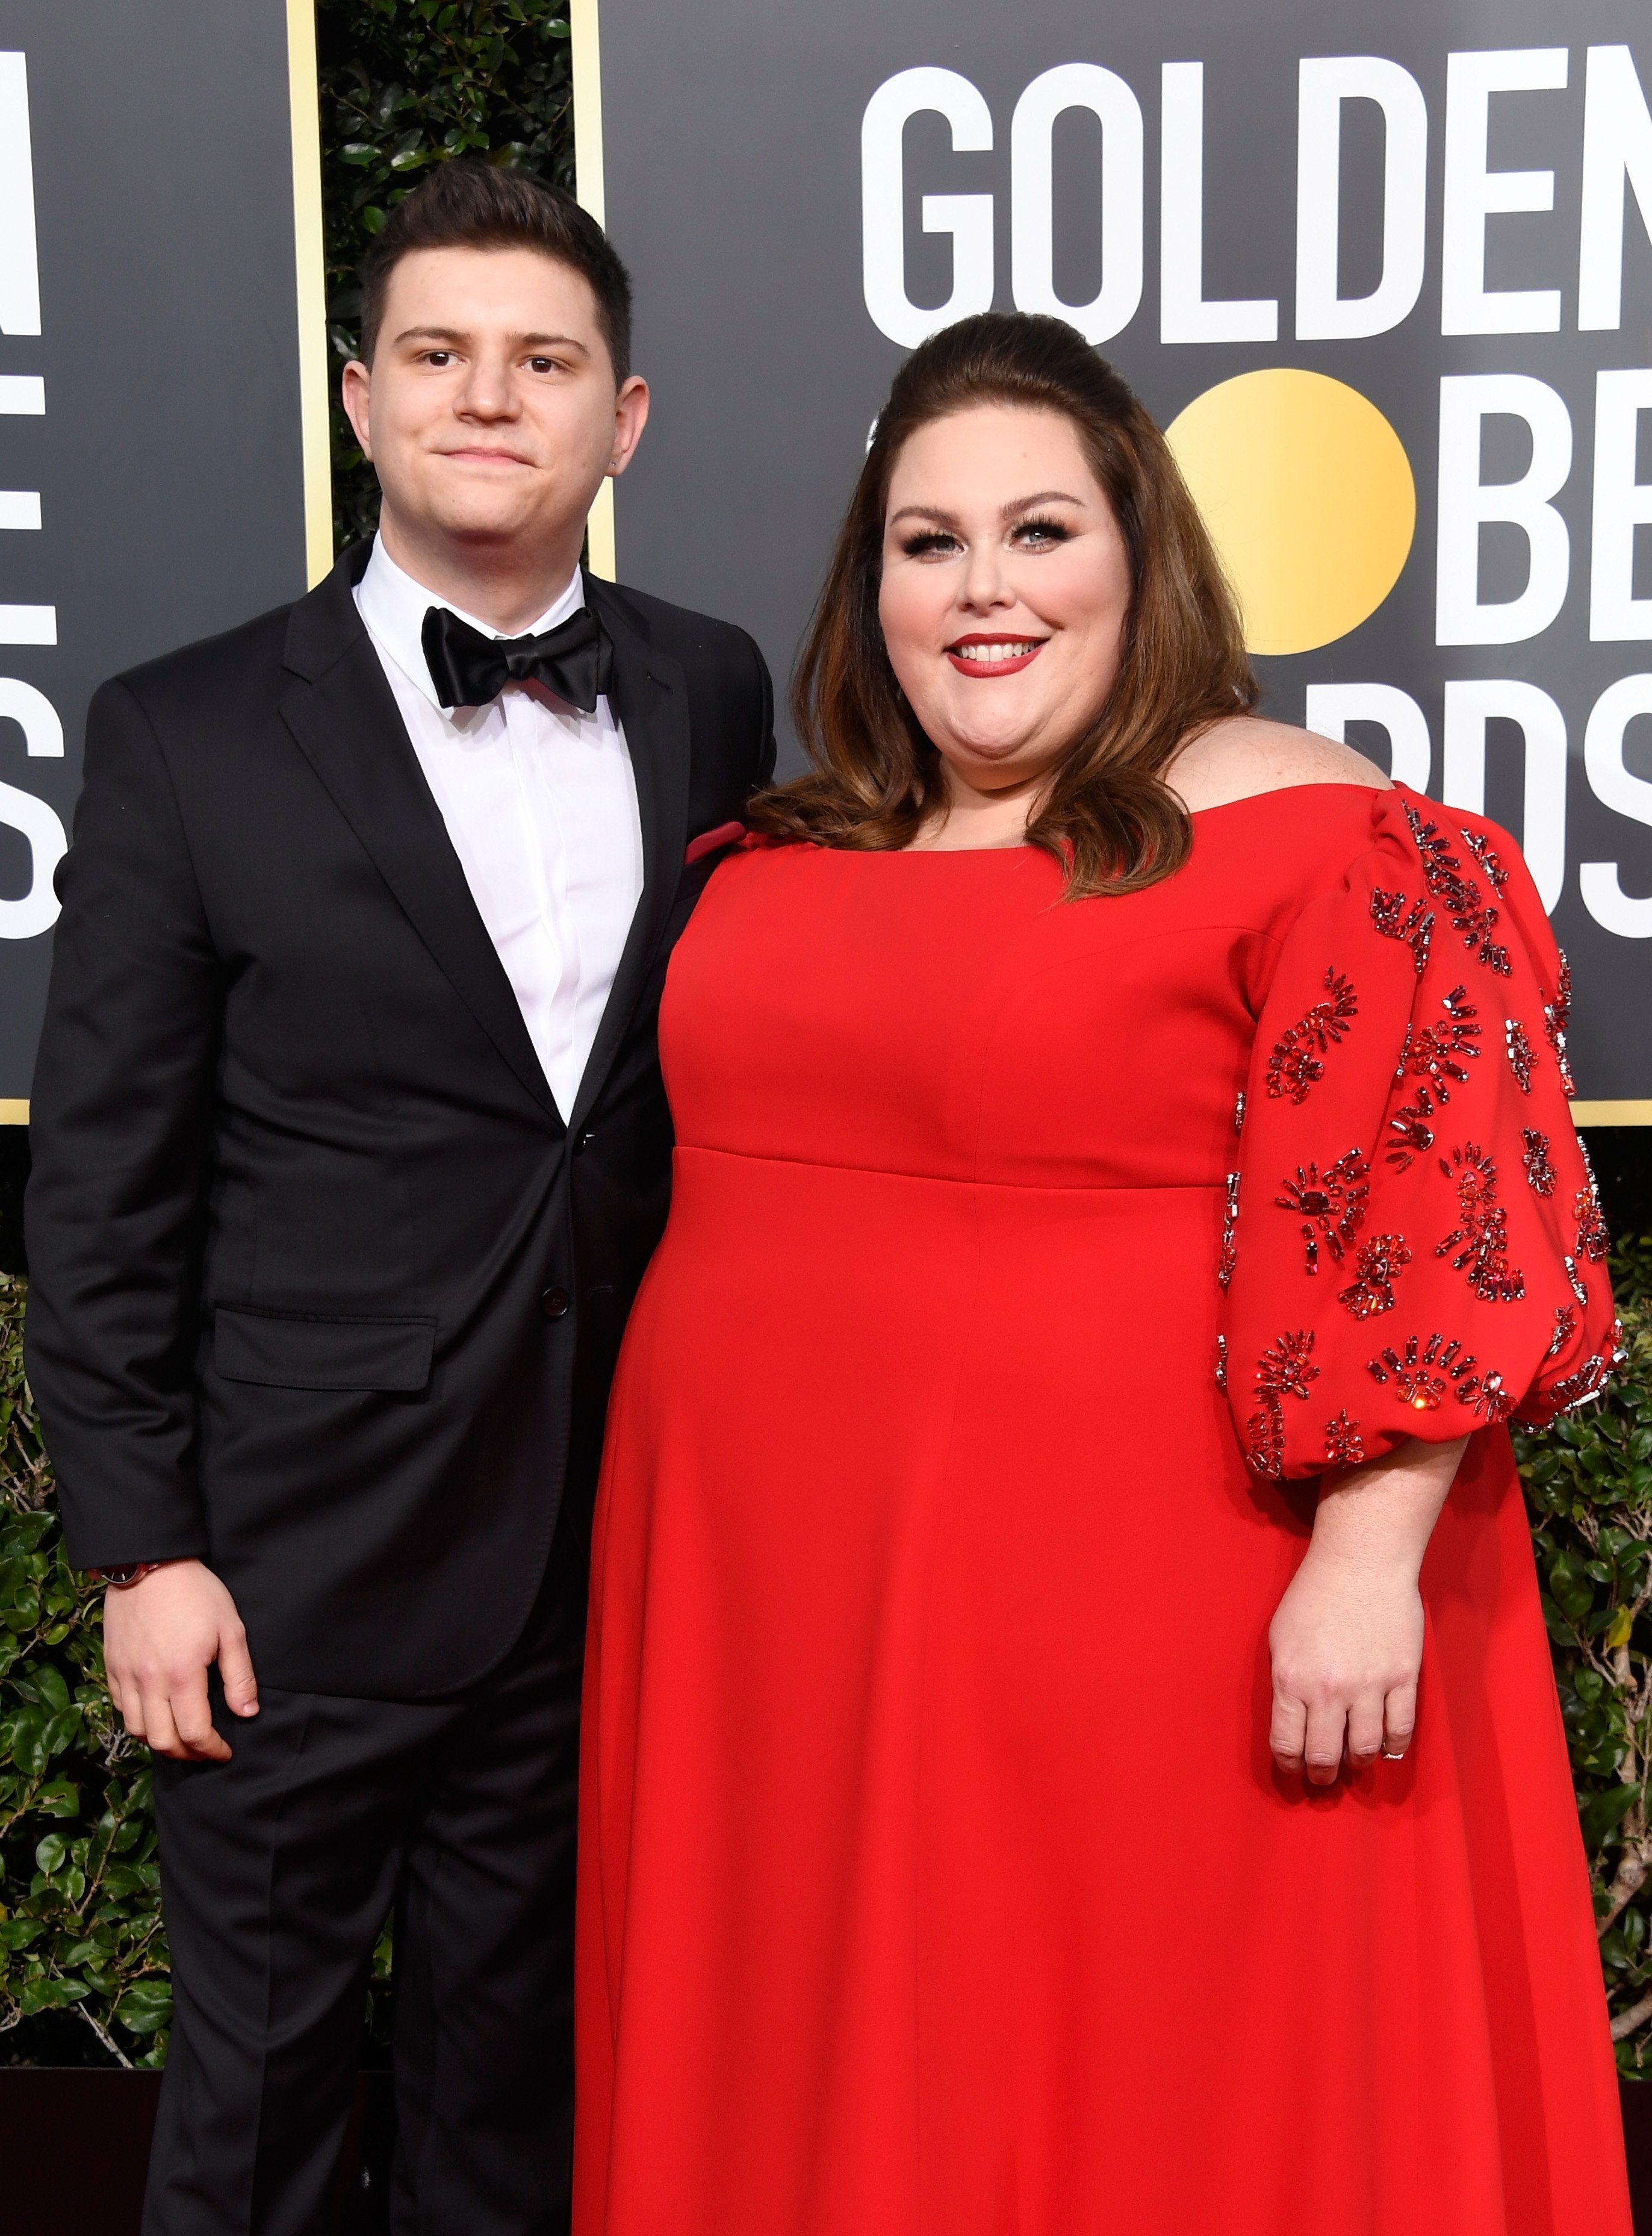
554, 1303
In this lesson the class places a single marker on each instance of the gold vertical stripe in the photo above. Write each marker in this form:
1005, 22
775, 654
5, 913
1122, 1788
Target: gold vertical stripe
13, 1113
587, 172
1611, 1114
310, 258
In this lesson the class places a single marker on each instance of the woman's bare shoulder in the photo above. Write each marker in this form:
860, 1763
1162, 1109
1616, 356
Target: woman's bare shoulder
1245, 756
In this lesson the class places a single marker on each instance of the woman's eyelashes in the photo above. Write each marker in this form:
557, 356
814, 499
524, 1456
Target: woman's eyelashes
1039, 535
1033, 535
929, 542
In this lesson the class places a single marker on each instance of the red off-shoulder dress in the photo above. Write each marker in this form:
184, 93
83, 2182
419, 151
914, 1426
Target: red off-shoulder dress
1026, 1263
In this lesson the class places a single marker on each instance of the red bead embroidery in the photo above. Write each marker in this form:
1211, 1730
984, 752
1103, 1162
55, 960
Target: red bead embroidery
1459, 896
1375, 1270
1239, 1113
1329, 1204
1415, 1382
1556, 1017
1493, 1401
1578, 1389
1228, 1258
1283, 1371
1481, 1235
1410, 1131
1593, 1241
1297, 1061
1222, 1362
1565, 1328
1587, 1384
1481, 850
1540, 1172
1433, 1052
1393, 921
1423, 1373
1523, 1057
1577, 1280
1343, 1444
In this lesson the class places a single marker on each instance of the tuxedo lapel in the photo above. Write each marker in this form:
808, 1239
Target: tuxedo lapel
650, 700
341, 710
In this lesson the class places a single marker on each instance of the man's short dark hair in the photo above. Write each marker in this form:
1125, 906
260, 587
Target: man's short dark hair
465, 203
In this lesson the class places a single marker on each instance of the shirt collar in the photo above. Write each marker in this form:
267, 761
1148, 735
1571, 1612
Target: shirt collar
394, 606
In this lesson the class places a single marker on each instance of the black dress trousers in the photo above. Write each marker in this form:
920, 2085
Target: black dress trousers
277, 1869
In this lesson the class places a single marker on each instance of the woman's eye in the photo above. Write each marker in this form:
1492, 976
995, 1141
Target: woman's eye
1041, 532
933, 542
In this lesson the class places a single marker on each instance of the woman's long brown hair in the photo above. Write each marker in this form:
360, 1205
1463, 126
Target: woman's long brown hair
1107, 815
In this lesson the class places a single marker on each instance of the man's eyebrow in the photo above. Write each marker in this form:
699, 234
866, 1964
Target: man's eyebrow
453, 334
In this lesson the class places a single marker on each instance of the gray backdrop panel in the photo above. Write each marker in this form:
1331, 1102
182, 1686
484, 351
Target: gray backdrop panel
168, 460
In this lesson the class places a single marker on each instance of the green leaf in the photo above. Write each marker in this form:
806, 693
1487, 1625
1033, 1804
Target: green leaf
146, 2005
1603, 1812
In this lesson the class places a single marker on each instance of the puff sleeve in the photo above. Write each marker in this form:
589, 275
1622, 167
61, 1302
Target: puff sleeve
1414, 1244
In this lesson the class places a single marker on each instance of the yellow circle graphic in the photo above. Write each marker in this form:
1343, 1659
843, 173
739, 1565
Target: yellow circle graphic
1307, 494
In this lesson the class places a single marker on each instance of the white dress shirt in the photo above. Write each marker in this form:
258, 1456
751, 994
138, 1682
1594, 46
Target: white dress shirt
540, 804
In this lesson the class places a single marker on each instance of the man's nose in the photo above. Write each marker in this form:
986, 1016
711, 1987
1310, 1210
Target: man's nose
488, 393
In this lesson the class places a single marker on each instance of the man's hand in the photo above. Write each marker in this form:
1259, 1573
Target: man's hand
160, 1636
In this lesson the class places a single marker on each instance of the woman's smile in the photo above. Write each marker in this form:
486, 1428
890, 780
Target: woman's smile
979, 655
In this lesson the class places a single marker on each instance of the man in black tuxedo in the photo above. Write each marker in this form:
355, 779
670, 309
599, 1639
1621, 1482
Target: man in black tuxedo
350, 1147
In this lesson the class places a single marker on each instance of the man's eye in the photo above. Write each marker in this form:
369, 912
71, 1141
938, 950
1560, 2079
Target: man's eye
438, 358
542, 364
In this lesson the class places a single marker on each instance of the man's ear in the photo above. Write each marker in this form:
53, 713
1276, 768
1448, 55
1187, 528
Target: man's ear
355, 389
630, 418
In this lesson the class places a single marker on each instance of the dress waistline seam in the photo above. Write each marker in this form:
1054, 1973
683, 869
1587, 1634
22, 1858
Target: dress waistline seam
957, 1180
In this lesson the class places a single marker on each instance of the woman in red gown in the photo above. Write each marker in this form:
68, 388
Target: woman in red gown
1071, 1747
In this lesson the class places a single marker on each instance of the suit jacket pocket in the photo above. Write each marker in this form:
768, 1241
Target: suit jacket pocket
291, 1353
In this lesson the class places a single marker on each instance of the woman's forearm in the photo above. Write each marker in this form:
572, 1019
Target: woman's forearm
1383, 1514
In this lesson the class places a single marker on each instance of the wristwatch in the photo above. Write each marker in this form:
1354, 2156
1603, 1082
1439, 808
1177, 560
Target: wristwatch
124, 1573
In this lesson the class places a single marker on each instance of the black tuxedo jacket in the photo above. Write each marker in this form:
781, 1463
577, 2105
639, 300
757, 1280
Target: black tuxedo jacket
324, 1287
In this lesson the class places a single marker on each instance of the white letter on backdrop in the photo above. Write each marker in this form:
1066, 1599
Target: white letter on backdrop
1621, 505
1324, 84
1618, 788
48, 842
1474, 194
1617, 151
1184, 316
1078, 85
19, 268
968, 218
1469, 707
1465, 399
1332, 707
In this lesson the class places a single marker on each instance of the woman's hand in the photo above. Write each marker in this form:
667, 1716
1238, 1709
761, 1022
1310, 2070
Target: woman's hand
1347, 1639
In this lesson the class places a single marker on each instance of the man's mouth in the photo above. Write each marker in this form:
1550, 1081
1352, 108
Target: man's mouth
980, 655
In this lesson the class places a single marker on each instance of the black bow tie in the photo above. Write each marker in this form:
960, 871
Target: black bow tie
574, 659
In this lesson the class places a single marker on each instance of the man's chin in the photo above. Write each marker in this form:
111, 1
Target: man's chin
481, 527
